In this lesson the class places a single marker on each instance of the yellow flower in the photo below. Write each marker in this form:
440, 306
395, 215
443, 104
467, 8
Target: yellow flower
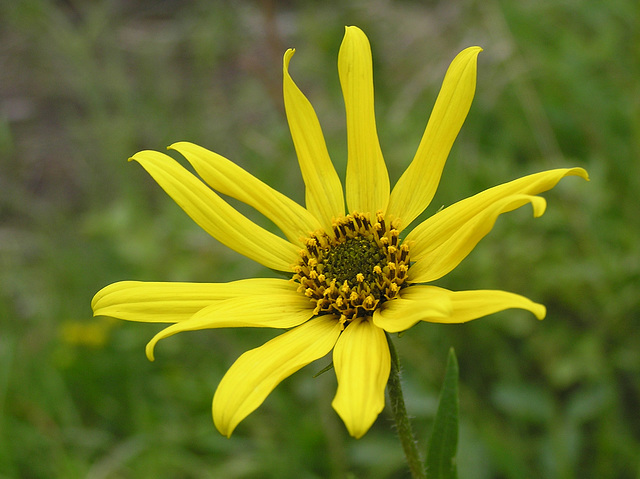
352, 277
80, 333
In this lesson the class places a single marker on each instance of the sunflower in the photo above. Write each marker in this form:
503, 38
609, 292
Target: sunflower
354, 273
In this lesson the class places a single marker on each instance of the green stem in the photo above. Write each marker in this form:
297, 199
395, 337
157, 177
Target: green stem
403, 425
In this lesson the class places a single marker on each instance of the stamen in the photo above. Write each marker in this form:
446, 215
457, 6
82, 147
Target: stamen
350, 273
404, 252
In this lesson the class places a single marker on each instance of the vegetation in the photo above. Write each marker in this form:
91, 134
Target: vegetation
84, 85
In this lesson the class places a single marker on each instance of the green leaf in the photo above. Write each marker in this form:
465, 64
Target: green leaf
324, 370
443, 445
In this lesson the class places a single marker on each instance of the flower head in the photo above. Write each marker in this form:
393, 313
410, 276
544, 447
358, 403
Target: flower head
355, 273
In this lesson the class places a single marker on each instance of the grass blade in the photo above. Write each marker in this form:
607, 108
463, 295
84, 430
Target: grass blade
443, 445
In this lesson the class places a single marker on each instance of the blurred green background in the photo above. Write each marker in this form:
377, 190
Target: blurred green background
85, 84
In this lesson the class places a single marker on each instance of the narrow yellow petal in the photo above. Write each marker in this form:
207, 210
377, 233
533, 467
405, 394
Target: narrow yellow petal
416, 303
367, 179
231, 180
415, 189
443, 259
323, 194
215, 215
275, 309
174, 302
469, 305
433, 232
362, 362
257, 372
464, 305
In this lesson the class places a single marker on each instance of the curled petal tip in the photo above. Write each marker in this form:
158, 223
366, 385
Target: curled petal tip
578, 171
182, 144
222, 429
473, 52
140, 154
287, 58
136, 156
469, 54
353, 30
583, 173
149, 350
539, 205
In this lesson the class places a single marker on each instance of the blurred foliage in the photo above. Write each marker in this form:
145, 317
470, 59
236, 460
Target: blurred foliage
84, 85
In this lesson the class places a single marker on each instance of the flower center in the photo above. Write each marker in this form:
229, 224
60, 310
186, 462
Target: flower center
353, 271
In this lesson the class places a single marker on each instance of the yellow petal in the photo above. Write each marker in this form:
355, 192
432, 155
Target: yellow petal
457, 246
416, 303
362, 362
469, 305
174, 302
231, 180
215, 215
257, 372
323, 194
276, 309
415, 189
367, 179
433, 232
463, 306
